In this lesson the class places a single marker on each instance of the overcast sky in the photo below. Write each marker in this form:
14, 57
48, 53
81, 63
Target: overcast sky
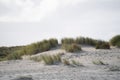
26, 21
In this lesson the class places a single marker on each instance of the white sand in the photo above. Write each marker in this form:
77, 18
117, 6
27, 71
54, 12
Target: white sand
11, 69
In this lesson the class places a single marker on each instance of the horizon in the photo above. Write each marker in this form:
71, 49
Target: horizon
26, 21
59, 41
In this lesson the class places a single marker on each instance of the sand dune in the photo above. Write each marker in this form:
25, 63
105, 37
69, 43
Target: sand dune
31, 70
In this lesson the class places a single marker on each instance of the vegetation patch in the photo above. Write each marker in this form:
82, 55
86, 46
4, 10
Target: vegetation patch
102, 45
14, 56
9, 51
115, 41
49, 59
76, 63
79, 40
66, 62
98, 62
55, 59
118, 45
67, 41
85, 41
13, 53
36, 58
71, 47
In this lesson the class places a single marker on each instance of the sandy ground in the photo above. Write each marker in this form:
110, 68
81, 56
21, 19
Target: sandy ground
10, 70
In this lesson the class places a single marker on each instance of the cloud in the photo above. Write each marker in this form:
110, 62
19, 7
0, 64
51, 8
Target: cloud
37, 10
30, 10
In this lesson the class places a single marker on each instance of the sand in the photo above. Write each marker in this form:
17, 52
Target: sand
30, 70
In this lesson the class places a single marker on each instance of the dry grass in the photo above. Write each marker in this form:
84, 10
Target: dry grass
98, 62
76, 63
66, 62
71, 47
37, 59
48, 59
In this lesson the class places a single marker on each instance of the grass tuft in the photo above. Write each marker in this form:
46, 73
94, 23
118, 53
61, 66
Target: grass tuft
76, 63
115, 41
71, 47
102, 45
66, 62
98, 62
36, 59
51, 59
